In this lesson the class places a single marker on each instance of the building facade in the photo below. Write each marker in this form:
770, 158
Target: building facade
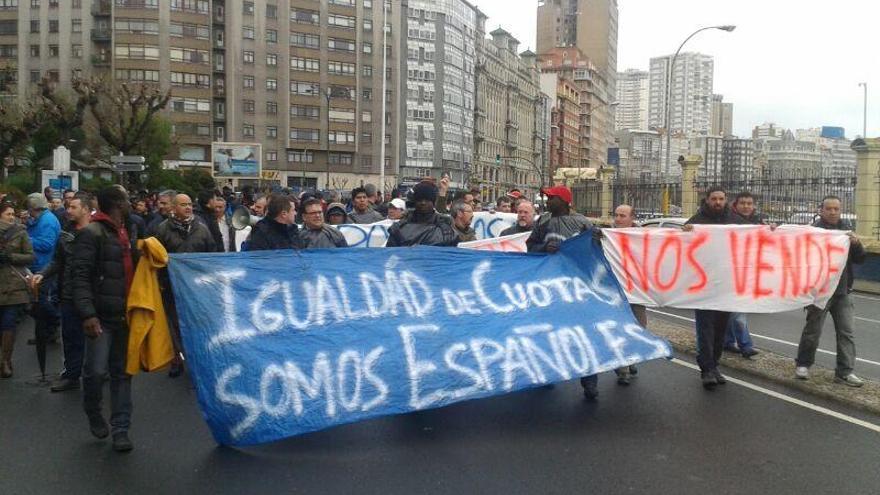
633, 90
722, 117
690, 100
738, 159
565, 143
639, 153
509, 134
710, 148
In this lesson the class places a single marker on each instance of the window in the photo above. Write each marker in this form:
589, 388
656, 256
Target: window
271, 132
340, 158
35, 4
311, 135
189, 79
271, 11
367, 70
53, 26
8, 51
368, 25
35, 27
341, 68
191, 105
196, 6
53, 4
366, 116
35, 51
305, 112
341, 21
248, 57
345, 3
53, 50
76, 25
342, 115
305, 64
271, 108
247, 32
248, 106
247, 8
248, 82
247, 130
189, 55
271, 36
303, 88
346, 92
368, 47
137, 26
366, 137
271, 60
141, 4
76, 4
137, 52
35, 76
186, 30
304, 156
303, 16
367, 94
76, 51
272, 156
305, 40
340, 45
341, 137
137, 75
271, 84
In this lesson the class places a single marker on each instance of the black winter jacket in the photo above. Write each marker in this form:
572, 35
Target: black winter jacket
706, 216
269, 234
432, 230
97, 272
325, 237
61, 264
207, 218
177, 240
554, 230
857, 255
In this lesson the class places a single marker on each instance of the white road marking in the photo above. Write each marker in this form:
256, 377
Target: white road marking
866, 319
772, 339
789, 399
865, 297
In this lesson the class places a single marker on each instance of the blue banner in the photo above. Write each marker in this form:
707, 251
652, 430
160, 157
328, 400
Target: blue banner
281, 343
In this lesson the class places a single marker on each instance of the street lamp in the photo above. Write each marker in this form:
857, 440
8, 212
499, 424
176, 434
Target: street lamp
727, 28
865, 112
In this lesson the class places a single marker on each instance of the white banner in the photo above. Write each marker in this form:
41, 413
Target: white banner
514, 243
486, 225
746, 268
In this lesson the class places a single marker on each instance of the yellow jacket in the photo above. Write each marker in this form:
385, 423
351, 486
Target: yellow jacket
149, 341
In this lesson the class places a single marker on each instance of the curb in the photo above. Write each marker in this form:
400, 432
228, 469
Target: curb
778, 369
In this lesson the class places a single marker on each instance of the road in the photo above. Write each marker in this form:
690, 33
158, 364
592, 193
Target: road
781, 332
663, 434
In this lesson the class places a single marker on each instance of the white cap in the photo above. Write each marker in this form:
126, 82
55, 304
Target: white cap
398, 203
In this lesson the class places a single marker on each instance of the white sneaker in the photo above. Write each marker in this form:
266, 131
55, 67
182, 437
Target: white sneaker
802, 373
851, 380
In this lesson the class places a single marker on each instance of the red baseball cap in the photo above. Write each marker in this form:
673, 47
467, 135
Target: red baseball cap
514, 194
561, 191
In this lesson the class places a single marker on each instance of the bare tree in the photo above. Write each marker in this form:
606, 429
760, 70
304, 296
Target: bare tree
339, 183
18, 123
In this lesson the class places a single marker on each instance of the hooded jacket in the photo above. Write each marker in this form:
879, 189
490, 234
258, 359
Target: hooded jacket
414, 229
269, 234
325, 237
857, 255
15, 243
178, 239
44, 232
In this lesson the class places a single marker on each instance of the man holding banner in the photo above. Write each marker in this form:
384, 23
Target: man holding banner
712, 325
840, 306
625, 218
423, 226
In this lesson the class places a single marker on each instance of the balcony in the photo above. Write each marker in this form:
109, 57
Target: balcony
102, 9
102, 34
219, 44
512, 124
102, 60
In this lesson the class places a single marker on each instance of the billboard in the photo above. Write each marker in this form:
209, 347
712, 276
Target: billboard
237, 160
59, 181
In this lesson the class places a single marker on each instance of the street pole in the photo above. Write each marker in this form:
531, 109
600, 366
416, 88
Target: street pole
865, 111
669, 74
328, 94
384, 92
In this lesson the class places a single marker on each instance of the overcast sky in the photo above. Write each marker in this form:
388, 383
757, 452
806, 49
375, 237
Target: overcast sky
793, 62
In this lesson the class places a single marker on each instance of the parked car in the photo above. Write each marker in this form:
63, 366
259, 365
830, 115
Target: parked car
664, 223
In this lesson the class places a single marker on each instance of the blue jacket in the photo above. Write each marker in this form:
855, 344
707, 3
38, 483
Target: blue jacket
44, 233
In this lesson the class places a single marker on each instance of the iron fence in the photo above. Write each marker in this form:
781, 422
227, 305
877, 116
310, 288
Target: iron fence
649, 199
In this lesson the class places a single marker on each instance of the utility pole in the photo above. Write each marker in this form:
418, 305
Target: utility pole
865, 111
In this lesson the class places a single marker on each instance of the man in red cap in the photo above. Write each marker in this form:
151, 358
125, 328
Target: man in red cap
549, 234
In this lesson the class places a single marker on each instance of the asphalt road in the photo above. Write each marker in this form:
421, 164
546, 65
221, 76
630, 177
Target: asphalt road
781, 332
663, 434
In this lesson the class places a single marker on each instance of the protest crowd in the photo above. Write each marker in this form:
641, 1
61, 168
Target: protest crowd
71, 264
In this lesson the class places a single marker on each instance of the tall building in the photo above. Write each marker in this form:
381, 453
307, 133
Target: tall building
710, 148
722, 117
238, 70
639, 153
570, 64
767, 130
441, 39
565, 135
633, 90
509, 133
737, 159
591, 26
691, 96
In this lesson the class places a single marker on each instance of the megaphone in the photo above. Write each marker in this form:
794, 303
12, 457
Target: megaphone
242, 218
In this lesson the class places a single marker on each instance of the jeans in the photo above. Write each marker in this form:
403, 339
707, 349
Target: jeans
841, 308
106, 353
46, 309
73, 339
738, 332
711, 326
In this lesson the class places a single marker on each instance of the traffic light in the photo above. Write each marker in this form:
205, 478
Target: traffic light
497, 159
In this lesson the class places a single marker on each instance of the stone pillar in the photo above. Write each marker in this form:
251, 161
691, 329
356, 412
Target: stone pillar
690, 201
867, 187
606, 175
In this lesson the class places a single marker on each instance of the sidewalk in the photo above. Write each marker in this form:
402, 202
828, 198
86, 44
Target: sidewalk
778, 369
